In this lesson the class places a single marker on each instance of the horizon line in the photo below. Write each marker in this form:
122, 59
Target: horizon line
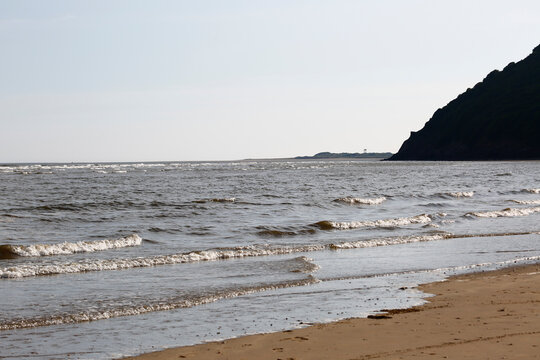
298, 157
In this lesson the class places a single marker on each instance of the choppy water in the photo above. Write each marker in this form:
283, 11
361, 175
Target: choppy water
104, 260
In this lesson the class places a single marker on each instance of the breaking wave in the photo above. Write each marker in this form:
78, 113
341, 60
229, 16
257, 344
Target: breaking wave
156, 305
363, 201
508, 212
532, 191
388, 241
29, 270
191, 301
346, 225
460, 194
66, 248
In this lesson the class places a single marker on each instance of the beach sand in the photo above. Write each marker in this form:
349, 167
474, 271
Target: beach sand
490, 315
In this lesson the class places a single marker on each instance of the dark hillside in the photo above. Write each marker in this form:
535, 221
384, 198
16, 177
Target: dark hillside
498, 119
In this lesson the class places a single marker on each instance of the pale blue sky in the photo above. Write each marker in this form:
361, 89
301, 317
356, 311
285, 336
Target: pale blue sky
216, 80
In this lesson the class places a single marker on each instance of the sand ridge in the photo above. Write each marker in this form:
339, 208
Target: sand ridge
489, 315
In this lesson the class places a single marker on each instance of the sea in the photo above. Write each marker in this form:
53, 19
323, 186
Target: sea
105, 260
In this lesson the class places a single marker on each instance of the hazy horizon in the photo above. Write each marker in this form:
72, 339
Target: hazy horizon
292, 157
210, 81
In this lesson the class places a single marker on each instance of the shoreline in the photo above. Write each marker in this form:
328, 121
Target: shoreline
482, 315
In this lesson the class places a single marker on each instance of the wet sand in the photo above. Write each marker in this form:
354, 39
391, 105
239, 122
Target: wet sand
491, 315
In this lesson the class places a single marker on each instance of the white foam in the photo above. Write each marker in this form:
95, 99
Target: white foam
509, 212
67, 248
498, 263
118, 168
419, 219
533, 191
460, 194
28, 270
388, 241
160, 305
363, 201
447, 271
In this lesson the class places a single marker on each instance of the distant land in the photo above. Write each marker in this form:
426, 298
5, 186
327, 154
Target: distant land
498, 119
329, 155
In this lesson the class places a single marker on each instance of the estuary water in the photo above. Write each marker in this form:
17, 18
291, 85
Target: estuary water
100, 261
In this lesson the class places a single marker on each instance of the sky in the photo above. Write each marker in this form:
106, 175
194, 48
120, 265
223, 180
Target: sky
92, 81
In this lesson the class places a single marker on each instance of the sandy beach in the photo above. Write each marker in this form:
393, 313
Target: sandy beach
489, 315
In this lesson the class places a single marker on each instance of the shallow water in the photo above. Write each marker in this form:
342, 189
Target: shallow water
104, 260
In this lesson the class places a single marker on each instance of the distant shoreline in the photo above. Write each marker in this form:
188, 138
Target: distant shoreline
316, 159
366, 156
330, 155
3, 165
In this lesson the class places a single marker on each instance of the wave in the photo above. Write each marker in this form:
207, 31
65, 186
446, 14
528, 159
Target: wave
444, 270
532, 191
29, 270
89, 166
433, 204
271, 232
66, 248
8, 218
460, 194
217, 200
156, 305
527, 202
91, 205
508, 212
363, 201
463, 236
334, 225
156, 229
59, 207
191, 301
388, 241
304, 264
